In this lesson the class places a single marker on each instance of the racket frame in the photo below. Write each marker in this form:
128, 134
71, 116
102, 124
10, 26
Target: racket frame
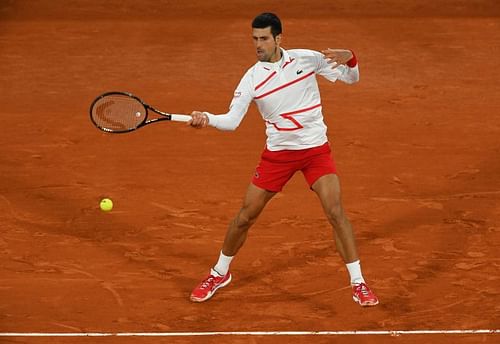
145, 121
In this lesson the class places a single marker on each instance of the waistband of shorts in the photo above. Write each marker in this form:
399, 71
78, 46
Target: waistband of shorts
294, 155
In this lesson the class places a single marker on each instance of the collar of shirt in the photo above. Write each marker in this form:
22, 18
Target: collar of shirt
285, 59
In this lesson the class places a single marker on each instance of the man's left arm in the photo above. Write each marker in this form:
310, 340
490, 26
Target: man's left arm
339, 64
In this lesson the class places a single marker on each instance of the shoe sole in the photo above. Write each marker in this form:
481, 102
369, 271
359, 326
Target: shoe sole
194, 299
369, 304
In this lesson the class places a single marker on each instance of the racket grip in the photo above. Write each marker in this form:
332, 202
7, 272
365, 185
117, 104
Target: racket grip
180, 118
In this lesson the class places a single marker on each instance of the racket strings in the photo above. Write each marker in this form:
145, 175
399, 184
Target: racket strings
118, 113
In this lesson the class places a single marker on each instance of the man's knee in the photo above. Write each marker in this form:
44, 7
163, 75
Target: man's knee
244, 220
335, 213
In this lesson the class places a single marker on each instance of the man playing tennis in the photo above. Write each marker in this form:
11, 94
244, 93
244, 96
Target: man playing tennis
283, 85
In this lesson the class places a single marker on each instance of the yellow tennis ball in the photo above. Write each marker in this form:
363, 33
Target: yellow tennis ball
106, 204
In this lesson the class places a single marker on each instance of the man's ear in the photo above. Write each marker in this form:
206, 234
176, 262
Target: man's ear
278, 39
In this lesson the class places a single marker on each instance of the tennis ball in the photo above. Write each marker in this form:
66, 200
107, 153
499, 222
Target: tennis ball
106, 204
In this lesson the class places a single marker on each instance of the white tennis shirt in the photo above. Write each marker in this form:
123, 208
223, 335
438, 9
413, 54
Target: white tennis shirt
287, 95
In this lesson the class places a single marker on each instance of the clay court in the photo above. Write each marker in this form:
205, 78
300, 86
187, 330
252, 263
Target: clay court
416, 143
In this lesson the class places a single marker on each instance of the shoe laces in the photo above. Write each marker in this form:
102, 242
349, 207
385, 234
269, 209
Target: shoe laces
362, 288
208, 282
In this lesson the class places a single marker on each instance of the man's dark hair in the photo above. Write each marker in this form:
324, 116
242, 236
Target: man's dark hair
267, 19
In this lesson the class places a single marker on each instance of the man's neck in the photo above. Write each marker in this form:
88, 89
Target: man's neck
277, 56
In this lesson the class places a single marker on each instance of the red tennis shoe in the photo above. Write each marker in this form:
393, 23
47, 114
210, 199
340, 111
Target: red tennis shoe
207, 288
363, 295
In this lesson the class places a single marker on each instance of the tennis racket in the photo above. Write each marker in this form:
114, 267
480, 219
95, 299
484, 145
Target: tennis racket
121, 112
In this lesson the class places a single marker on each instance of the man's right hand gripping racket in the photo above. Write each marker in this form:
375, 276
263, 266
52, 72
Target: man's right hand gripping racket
121, 112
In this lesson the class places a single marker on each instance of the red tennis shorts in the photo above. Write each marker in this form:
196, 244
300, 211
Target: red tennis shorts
276, 168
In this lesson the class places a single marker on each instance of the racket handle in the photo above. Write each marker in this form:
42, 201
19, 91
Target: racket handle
180, 118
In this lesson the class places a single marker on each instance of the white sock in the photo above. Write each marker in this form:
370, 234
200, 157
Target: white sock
222, 266
354, 269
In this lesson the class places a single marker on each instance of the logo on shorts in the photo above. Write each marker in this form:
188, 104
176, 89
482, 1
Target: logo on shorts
237, 94
257, 175
299, 71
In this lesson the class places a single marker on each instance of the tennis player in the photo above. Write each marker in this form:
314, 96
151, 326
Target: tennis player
283, 85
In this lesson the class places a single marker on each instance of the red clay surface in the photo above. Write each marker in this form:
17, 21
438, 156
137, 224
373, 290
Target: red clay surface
416, 142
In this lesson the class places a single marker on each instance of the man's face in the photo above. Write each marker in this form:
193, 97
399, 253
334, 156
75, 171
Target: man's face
266, 46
